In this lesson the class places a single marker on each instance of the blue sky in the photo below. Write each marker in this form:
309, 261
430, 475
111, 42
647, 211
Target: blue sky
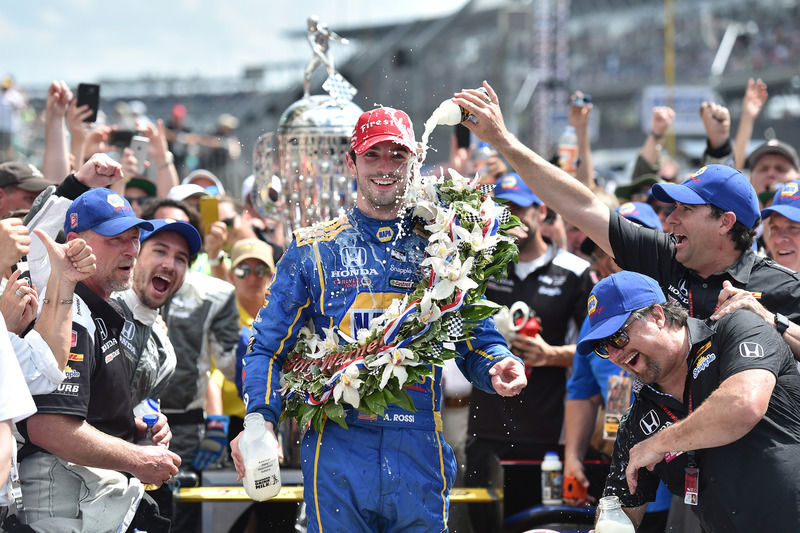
85, 40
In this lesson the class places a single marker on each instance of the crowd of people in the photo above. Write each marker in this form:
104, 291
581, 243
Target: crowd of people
666, 331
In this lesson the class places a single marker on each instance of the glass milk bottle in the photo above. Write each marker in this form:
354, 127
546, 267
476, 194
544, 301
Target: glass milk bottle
262, 477
612, 519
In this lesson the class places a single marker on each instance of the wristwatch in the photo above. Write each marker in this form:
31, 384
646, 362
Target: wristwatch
781, 323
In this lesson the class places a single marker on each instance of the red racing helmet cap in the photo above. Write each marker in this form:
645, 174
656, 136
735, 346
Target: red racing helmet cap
382, 124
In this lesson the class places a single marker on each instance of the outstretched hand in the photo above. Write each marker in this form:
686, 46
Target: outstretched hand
488, 125
508, 377
72, 260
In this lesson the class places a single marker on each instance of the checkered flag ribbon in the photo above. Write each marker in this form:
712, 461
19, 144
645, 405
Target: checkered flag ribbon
435, 349
471, 217
454, 326
486, 188
338, 87
505, 217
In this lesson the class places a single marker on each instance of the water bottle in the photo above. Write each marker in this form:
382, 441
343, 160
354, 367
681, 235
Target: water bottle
150, 420
262, 475
552, 481
145, 407
568, 150
612, 519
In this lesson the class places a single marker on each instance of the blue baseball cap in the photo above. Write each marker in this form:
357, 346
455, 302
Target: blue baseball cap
613, 300
186, 230
511, 187
641, 212
786, 202
104, 212
720, 185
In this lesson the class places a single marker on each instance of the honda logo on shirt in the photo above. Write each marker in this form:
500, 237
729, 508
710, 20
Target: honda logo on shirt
751, 349
101, 326
353, 257
649, 422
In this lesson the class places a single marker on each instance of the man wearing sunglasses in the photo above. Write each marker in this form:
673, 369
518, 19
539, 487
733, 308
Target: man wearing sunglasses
707, 264
716, 414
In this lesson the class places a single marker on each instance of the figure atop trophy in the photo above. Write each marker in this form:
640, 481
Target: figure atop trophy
319, 37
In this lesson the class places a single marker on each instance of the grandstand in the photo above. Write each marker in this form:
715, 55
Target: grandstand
615, 51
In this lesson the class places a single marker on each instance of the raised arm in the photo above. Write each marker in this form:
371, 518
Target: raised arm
55, 162
579, 116
70, 263
755, 96
557, 189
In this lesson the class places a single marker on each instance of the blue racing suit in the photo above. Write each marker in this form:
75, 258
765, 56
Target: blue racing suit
392, 473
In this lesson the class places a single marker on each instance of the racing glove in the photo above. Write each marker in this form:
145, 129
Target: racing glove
213, 445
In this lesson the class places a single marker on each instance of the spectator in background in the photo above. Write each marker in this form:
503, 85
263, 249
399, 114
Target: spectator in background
20, 184
755, 96
222, 147
268, 229
207, 180
650, 159
772, 164
138, 191
176, 130
782, 226
12, 103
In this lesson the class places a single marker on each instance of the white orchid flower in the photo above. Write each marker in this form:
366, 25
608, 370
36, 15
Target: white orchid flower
330, 342
428, 310
439, 265
459, 182
394, 360
478, 241
441, 247
489, 209
426, 210
362, 335
444, 217
347, 386
455, 275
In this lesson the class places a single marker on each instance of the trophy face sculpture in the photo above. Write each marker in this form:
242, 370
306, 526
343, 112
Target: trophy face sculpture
301, 176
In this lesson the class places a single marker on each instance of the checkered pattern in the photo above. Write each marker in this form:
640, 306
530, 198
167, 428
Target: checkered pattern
470, 217
435, 349
338, 87
454, 326
504, 217
486, 188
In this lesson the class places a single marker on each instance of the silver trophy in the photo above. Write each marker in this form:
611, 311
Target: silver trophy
301, 175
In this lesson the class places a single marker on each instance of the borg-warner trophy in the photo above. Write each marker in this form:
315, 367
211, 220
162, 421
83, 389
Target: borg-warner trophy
301, 175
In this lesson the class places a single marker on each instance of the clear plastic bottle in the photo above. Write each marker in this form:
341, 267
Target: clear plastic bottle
552, 479
150, 420
145, 407
262, 477
568, 150
612, 519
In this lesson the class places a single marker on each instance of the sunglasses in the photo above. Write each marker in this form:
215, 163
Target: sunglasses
619, 340
242, 271
139, 200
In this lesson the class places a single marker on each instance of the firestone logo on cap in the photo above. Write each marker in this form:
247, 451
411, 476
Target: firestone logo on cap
116, 202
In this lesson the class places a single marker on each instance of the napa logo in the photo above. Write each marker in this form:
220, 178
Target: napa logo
385, 234
116, 201
695, 177
703, 364
789, 190
627, 208
592, 305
